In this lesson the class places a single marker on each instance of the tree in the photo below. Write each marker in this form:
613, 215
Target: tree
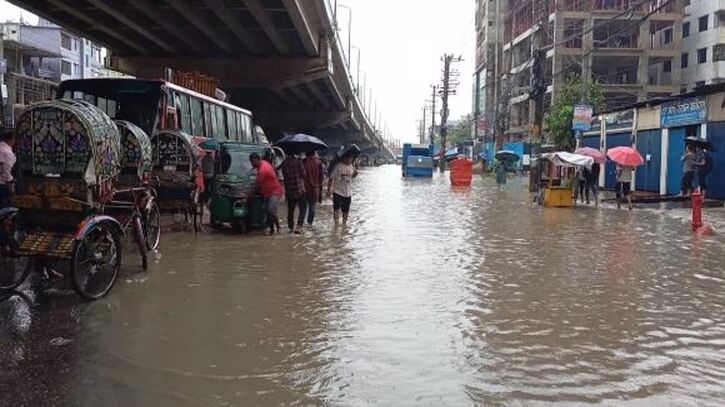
462, 131
575, 90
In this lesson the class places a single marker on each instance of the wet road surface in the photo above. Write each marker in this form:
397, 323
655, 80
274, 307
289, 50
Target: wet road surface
432, 296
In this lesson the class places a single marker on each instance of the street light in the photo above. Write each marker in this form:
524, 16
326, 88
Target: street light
349, 31
357, 81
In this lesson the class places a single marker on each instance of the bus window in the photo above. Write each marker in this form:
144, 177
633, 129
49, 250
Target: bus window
233, 132
247, 128
221, 128
184, 113
197, 118
208, 123
111, 110
242, 130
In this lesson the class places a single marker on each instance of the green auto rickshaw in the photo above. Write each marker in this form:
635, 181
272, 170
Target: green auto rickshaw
231, 203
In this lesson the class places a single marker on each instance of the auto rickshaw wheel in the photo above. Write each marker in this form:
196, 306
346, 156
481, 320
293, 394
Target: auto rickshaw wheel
152, 226
96, 261
240, 226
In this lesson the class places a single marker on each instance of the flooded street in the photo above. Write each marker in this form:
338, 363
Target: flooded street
432, 296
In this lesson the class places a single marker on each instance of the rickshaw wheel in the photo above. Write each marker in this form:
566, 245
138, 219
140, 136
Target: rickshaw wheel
13, 270
96, 262
152, 226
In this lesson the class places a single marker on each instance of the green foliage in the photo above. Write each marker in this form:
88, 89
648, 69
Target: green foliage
461, 132
575, 90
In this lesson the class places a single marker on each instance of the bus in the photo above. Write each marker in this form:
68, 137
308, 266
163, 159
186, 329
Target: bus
155, 105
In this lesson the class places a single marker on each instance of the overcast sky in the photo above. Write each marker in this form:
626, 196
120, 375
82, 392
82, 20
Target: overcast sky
401, 42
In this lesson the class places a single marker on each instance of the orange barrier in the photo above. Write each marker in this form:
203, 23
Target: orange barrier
461, 172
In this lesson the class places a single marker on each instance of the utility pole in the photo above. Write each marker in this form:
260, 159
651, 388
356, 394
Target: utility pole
423, 128
433, 114
449, 88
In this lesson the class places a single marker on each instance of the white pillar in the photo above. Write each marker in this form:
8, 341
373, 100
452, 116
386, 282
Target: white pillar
663, 160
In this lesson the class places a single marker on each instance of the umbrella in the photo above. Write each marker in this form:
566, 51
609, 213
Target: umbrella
301, 142
597, 155
507, 155
352, 149
626, 156
704, 144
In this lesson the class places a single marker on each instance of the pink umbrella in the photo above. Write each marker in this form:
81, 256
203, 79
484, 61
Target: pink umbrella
625, 156
597, 155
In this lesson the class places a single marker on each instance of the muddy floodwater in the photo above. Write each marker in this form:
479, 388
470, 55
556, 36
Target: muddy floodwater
431, 296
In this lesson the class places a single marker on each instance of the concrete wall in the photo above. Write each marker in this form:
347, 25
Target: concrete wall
711, 71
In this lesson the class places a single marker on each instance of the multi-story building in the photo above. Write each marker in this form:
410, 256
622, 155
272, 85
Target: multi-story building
703, 43
489, 62
37, 57
632, 47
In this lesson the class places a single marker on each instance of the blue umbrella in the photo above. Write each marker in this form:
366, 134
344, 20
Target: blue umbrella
301, 142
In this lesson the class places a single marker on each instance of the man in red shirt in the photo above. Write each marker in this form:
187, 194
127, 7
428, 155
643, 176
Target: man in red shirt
314, 177
269, 187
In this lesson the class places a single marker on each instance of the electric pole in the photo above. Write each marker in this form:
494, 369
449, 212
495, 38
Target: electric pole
423, 128
450, 83
433, 114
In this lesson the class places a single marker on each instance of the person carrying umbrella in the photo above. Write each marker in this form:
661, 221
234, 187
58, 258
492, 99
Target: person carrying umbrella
624, 185
293, 171
688, 169
626, 158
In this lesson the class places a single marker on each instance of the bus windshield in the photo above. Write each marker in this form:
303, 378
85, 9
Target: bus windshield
134, 100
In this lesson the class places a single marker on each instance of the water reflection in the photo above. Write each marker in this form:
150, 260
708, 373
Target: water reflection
432, 295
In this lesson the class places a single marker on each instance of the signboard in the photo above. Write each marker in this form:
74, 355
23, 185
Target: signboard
619, 120
582, 120
481, 126
683, 112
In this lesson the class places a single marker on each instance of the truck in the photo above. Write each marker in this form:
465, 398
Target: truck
417, 160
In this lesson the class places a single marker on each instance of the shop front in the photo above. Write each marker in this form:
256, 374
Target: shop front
680, 119
618, 132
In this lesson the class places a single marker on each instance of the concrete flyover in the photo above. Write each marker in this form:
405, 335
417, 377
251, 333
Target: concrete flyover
279, 58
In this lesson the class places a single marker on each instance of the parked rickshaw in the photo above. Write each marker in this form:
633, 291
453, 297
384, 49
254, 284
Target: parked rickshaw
68, 164
176, 164
134, 189
234, 179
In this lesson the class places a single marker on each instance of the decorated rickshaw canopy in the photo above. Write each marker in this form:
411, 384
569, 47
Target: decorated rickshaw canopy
135, 147
173, 148
68, 139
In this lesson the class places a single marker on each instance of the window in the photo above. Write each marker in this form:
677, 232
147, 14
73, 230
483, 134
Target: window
685, 29
65, 68
197, 118
247, 128
684, 61
65, 41
184, 113
702, 55
702, 23
668, 36
667, 66
96, 54
219, 130
208, 122
75, 44
86, 60
76, 70
718, 52
232, 125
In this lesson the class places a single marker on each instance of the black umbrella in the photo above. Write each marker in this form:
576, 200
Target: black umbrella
352, 149
704, 144
301, 142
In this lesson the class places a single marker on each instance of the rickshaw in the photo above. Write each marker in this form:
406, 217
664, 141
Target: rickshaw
233, 180
176, 164
68, 164
134, 191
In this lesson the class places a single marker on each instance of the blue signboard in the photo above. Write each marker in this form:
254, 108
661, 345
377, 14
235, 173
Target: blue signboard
683, 112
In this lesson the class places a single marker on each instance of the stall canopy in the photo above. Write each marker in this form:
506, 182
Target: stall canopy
564, 159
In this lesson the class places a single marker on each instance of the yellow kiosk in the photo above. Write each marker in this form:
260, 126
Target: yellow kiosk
559, 169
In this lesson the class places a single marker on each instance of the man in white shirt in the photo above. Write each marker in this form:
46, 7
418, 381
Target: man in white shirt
7, 162
341, 178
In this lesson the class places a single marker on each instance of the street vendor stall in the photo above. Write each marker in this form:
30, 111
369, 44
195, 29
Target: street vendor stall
559, 168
